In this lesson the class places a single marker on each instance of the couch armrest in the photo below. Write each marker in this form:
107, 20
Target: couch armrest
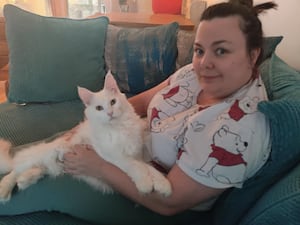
280, 204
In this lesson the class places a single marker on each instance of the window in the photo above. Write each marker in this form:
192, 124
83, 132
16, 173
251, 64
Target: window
84, 8
37, 6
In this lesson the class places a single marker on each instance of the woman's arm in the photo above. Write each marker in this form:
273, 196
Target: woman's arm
186, 193
141, 101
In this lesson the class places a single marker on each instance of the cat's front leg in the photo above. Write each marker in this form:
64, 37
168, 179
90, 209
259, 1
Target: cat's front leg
29, 177
7, 184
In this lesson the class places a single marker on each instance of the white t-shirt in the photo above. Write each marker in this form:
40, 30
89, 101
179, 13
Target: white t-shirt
219, 146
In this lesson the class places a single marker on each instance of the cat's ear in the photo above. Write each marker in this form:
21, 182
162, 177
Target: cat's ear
85, 95
110, 83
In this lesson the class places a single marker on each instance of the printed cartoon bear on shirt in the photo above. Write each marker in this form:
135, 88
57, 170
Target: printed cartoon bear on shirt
242, 107
179, 95
225, 163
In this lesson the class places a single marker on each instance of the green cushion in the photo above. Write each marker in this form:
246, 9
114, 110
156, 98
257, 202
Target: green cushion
50, 57
42, 218
269, 45
283, 112
280, 204
140, 58
69, 196
25, 124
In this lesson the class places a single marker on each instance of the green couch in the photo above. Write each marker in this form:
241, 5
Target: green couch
49, 57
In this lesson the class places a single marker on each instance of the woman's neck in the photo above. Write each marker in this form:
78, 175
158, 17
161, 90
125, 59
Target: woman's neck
207, 100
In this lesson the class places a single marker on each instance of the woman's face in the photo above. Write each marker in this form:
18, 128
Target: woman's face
221, 60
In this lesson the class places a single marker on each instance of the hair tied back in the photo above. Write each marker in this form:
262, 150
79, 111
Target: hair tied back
257, 9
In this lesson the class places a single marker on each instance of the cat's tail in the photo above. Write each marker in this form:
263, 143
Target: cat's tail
5, 157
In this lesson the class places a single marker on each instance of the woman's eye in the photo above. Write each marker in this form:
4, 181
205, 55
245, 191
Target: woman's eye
221, 51
199, 51
99, 108
112, 102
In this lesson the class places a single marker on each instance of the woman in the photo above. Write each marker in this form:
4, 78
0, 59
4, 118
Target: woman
206, 130
210, 135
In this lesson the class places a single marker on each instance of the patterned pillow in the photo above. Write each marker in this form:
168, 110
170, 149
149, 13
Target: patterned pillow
49, 57
140, 58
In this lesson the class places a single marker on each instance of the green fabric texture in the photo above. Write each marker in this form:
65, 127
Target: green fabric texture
69, 196
50, 57
283, 112
42, 218
279, 205
24, 124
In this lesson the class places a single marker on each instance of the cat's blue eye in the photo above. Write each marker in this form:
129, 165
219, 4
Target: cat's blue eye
99, 108
113, 101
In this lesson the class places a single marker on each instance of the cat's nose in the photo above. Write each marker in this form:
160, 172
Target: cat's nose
110, 114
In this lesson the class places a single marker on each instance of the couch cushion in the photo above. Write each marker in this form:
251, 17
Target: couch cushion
50, 57
280, 204
283, 111
140, 58
24, 124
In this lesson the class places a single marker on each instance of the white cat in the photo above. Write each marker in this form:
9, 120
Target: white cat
111, 126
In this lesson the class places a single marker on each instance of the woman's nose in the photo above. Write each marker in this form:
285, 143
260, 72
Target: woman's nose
206, 61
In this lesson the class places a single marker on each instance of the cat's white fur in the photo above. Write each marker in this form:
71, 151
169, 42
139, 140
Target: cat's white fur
111, 126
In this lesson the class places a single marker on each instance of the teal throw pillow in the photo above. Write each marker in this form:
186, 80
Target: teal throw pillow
269, 45
283, 112
140, 58
49, 57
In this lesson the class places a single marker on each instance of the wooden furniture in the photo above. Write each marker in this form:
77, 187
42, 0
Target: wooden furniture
146, 20
3, 62
3, 45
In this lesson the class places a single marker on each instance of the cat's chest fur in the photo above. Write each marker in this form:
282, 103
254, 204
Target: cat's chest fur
114, 140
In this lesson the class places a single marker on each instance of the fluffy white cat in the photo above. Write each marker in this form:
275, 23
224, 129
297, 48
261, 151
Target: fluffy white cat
111, 126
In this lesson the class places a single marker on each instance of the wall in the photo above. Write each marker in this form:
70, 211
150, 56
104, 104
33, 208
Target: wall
145, 6
284, 21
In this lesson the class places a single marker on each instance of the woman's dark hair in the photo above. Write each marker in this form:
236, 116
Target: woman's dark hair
250, 23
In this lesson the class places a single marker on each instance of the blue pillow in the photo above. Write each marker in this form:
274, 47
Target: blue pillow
140, 58
283, 111
49, 57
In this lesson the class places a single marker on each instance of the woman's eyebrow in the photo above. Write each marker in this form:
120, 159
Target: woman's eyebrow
220, 42
196, 44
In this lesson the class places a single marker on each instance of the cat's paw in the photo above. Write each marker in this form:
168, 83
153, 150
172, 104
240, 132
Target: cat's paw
139, 174
163, 187
144, 185
6, 186
5, 193
29, 177
160, 182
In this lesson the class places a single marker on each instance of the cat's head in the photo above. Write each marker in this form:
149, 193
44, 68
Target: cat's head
107, 105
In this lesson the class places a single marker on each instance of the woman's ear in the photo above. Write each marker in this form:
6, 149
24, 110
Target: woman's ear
254, 54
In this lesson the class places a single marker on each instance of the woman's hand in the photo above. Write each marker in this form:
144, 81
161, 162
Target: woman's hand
82, 160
